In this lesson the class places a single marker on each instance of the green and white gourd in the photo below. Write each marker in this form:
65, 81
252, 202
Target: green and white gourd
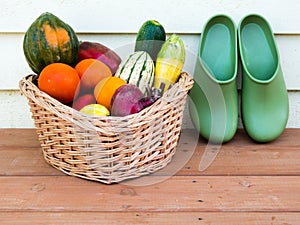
137, 69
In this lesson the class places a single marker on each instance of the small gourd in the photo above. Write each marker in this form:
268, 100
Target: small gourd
138, 69
49, 40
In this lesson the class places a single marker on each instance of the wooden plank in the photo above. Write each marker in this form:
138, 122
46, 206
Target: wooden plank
242, 156
137, 218
117, 16
18, 138
25, 161
21, 155
174, 194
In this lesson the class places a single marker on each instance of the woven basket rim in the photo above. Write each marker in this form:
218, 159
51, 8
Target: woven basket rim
183, 85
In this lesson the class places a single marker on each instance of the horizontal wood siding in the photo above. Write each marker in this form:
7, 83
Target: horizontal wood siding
288, 45
14, 111
121, 16
115, 24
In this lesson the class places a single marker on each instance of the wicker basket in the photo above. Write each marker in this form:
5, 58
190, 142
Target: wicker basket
108, 149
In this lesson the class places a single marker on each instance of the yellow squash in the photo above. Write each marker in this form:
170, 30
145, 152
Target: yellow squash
170, 61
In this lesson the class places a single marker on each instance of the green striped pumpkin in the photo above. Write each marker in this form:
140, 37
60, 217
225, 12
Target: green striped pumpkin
137, 69
49, 40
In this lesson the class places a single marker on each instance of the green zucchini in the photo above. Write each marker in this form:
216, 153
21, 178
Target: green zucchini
150, 38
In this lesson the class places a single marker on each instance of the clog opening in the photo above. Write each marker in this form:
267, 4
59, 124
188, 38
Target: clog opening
258, 48
218, 51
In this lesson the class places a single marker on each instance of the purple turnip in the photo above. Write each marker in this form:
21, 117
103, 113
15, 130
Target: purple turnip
126, 100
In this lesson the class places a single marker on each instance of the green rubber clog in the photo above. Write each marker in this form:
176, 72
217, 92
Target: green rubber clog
213, 103
265, 105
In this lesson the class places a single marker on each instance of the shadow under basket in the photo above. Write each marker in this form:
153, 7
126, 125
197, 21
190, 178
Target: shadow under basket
108, 149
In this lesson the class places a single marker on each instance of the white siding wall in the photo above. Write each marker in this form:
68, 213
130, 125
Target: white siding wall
115, 23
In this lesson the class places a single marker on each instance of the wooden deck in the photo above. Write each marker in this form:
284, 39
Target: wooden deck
247, 183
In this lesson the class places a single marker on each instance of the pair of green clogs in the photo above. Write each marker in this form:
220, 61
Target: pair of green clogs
214, 104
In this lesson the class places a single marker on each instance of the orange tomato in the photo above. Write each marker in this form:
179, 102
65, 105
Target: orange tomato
106, 88
91, 71
60, 81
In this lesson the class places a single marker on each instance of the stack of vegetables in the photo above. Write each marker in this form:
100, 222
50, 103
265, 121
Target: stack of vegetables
92, 78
